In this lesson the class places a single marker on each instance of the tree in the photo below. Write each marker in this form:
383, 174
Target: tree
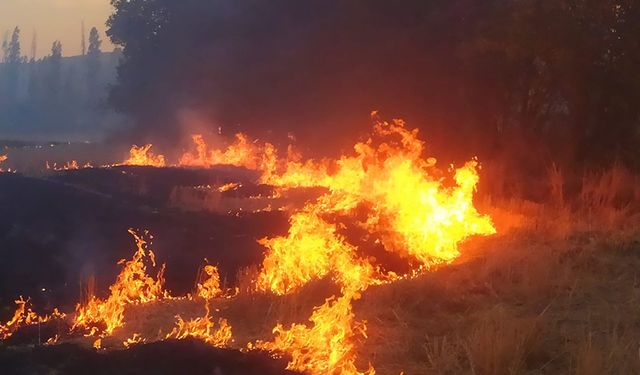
5, 46
563, 75
83, 45
54, 62
12, 62
13, 54
94, 43
528, 77
56, 51
93, 64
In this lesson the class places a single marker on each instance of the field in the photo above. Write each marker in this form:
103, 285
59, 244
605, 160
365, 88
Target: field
554, 291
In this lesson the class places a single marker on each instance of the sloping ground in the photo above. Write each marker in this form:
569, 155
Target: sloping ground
556, 292
557, 295
169, 357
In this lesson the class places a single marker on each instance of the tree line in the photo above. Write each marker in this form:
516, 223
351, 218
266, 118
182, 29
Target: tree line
53, 95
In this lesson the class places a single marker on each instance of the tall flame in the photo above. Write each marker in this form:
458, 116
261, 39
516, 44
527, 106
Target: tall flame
327, 346
210, 287
144, 157
412, 211
241, 153
133, 285
311, 250
386, 186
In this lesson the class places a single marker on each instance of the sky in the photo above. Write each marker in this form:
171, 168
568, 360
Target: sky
52, 20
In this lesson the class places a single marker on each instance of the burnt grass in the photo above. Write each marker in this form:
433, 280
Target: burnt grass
166, 357
58, 232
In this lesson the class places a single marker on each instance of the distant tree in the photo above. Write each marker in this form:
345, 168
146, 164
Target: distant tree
54, 74
12, 62
93, 64
94, 42
34, 46
83, 43
56, 51
5, 46
13, 54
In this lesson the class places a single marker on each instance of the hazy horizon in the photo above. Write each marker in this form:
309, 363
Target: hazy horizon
52, 20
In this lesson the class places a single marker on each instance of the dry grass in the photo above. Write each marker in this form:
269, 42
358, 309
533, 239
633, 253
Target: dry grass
557, 291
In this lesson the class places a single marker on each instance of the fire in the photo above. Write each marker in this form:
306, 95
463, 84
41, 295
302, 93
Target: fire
410, 207
311, 250
3, 158
210, 287
327, 346
133, 340
203, 328
229, 186
387, 186
24, 316
70, 165
53, 340
144, 157
133, 285
241, 153
407, 205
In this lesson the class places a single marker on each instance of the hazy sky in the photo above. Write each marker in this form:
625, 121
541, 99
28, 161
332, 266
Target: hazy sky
54, 20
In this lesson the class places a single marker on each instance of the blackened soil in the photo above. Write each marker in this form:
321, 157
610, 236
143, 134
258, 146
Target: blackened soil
169, 357
57, 234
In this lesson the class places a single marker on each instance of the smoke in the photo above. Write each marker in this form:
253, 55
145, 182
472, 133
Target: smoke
313, 68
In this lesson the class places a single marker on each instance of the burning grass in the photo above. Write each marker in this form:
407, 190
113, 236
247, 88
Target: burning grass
520, 302
512, 303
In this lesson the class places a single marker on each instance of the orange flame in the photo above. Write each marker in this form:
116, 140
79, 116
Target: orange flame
70, 165
392, 190
407, 206
311, 250
3, 158
203, 328
133, 340
241, 153
133, 285
143, 156
229, 186
415, 213
327, 346
210, 287
24, 316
